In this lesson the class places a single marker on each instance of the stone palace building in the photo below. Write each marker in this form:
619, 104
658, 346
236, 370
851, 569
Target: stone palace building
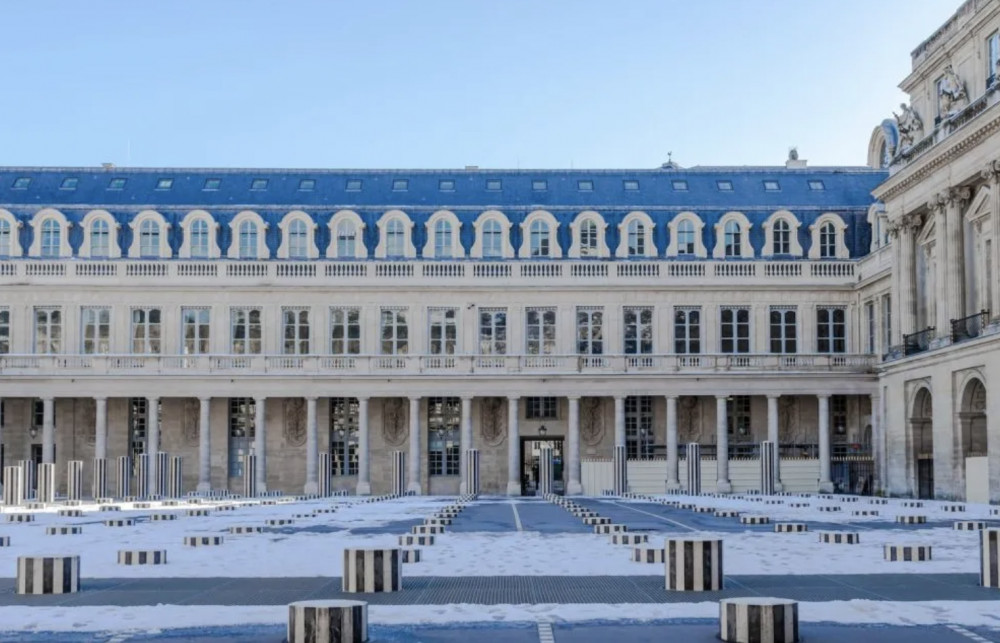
847, 314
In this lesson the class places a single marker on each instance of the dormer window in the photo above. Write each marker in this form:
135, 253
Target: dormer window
630, 185
400, 185
446, 185
212, 184
307, 185
771, 186
679, 185
353, 185
539, 185
258, 184
117, 184
724, 186
164, 184
816, 185
69, 183
585, 186
494, 185
21, 183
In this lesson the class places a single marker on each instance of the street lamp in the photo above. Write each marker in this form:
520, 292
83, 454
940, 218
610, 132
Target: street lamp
542, 430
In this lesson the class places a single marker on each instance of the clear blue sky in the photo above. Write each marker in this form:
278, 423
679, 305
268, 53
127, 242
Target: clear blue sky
435, 83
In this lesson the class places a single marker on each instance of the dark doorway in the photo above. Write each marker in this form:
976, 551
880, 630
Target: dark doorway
530, 450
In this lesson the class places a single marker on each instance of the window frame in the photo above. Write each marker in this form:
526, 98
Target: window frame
826, 330
394, 319
493, 322
780, 340
299, 340
690, 341
345, 330
95, 330
149, 342
248, 328
735, 334
541, 335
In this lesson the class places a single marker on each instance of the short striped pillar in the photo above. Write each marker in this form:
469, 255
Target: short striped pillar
250, 475
472, 471
372, 570
99, 483
28, 478
648, 555
142, 557
13, 486
768, 467
162, 480
175, 477
758, 619
46, 482
620, 470
693, 564
840, 537
989, 558
693, 456
906, 553
48, 575
399, 472
74, 480
327, 621
324, 480
545, 471
123, 483
142, 489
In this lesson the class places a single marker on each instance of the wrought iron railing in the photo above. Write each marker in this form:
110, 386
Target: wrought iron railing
918, 342
969, 327
798, 450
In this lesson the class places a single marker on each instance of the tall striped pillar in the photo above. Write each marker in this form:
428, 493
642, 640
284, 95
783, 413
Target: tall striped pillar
13, 486
162, 474
323, 481
472, 471
28, 478
620, 470
74, 480
250, 475
142, 476
399, 473
123, 483
46, 482
545, 471
175, 471
768, 457
989, 558
693, 455
99, 483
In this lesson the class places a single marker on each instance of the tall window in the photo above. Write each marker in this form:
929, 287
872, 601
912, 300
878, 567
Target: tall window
733, 239
638, 331
95, 324
138, 416
48, 330
738, 418
395, 239
636, 238
4, 333
831, 330
345, 331
146, 331
784, 330
195, 329
344, 436
540, 331
199, 239
685, 237
639, 427
827, 241
588, 239
100, 239
838, 417
295, 331
444, 414
992, 57
347, 240
394, 330
887, 320
246, 331
442, 331
687, 331
442, 239
781, 238
492, 239
248, 240
541, 408
51, 238
870, 323
734, 330
298, 240
492, 331
538, 236
149, 239
5, 238
242, 427
590, 331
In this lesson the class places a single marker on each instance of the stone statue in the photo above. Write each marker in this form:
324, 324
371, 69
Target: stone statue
951, 92
793, 154
909, 125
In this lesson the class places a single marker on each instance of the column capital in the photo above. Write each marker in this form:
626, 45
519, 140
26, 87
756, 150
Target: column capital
957, 195
311, 398
513, 398
205, 400
100, 398
620, 397
573, 397
414, 398
259, 398
823, 396
724, 398
991, 171
467, 397
362, 398
671, 396
773, 396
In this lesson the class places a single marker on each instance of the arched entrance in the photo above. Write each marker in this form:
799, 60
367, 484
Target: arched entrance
972, 418
922, 443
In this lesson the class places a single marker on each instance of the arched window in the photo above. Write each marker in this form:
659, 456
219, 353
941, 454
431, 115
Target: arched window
734, 242
347, 237
539, 238
199, 239
248, 240
442, 239
827, 241
636, 238
781, 238
395, 239
492, 239
5, 237
685, 238
298, 238
588, 239
100, 239
51, 238
149, 239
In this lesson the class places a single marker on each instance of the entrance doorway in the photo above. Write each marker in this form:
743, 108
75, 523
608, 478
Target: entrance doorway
530, 454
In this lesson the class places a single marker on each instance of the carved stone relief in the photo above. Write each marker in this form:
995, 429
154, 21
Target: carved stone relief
591, 421
394, 424
89, 420
295, 421
189, 421
493, 428
688, 419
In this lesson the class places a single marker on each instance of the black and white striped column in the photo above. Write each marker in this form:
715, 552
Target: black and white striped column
162, 478
472, 471
99, 483
250, 475
545, 471
906, 553
28, 479
768, 455
399, 472
175, 471
324, 482
142, 556
620, 470
46, 482
13, 486
758, 619
693, 456
123, 483
989, 558
48, 575
372, 570
142, 489
327, 621
694, 564
74, 480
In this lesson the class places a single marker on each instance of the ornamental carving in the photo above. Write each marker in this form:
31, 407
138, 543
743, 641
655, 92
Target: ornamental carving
951, 93
788, 426
958, 195
909, 125
89, 420
394, 421
688, 419
189, 421
295, 421
493, 428
991, 172
591, 421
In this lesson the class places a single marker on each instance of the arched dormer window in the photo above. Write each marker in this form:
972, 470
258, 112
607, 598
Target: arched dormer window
828, 241
732, 237
199, 230
51, 238
51, 235
588, 231
100, 239
100, 236
879, 226
149, 236
443, 240
492, 236
297, 236
781, 235
395, 240
635, 234
686, 237
248, 237
395, 236
199, 239
149, 239
781, 242
540, 241
9, 244
538, 234
347, 236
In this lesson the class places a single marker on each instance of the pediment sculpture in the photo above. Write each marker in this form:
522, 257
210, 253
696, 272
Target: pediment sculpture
910, 127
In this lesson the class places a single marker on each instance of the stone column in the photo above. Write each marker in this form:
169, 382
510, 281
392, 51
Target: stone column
992, 174
48, 430
152, 441
825, 484
619, 421
260, 442
413, 483
513, 449
100, 427
364, 487
575, 485
673, 479
878, 453
906, 238
955, 272
312, 448
722, 445
465, 442
772, 436
939, 207
204, 445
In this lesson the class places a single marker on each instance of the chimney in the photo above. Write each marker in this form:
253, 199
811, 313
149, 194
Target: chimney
108, 166
472, 168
